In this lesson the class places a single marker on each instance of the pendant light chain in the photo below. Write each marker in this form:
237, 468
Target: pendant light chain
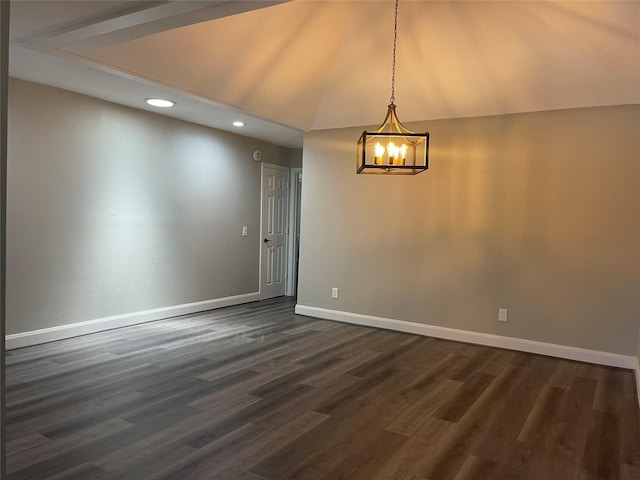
392, 149
393, 68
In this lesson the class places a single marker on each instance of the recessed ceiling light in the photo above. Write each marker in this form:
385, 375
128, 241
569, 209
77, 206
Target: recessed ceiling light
238, 123
160, 102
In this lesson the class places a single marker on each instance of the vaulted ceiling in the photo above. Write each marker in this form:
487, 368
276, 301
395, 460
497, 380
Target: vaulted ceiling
286, 67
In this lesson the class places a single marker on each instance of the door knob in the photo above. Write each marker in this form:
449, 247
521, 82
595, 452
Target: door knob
266, 240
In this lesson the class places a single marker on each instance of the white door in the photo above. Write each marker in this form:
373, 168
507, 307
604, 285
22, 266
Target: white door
275, 198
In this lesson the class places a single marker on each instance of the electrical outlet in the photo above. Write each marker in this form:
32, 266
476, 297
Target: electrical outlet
502, 314
245, 231
334, 292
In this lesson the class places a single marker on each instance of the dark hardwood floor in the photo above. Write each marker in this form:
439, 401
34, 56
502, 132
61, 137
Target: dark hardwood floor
255, 392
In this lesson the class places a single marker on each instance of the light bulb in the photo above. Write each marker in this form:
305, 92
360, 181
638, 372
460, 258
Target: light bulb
379, 149
392, 150
402, 154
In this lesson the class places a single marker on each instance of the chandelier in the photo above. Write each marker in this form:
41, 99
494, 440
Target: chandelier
392, 148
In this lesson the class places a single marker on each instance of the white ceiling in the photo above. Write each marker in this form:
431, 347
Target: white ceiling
286, 67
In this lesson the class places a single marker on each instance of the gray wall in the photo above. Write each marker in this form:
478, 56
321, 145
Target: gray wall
295, 158
113, 210
538, 213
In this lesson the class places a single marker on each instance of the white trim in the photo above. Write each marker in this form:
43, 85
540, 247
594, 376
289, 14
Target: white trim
293, 227
260, 229
511, 343
25, 339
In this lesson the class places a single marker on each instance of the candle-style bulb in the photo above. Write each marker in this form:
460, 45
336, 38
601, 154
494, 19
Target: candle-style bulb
379, 152
392, 151
402, 154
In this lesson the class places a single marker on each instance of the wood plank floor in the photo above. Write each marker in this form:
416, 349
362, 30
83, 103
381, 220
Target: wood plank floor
255, 392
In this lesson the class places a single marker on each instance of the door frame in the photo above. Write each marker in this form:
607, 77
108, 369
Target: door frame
286, 237
294, 185
4, 79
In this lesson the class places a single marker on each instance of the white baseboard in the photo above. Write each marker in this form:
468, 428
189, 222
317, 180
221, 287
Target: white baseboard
511, 343
25, 339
